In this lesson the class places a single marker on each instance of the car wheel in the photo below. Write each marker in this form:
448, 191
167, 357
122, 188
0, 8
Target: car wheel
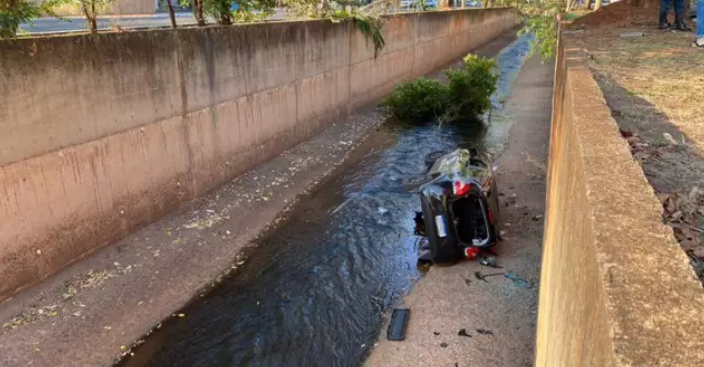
443, 251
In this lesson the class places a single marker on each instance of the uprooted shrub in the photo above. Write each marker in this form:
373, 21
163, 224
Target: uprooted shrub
466, 97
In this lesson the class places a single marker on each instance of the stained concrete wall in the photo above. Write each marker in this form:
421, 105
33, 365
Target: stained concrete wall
616, 289
104, 134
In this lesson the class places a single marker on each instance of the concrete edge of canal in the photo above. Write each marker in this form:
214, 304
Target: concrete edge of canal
617, 290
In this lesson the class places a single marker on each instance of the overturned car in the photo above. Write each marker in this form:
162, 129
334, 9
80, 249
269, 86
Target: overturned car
459, 207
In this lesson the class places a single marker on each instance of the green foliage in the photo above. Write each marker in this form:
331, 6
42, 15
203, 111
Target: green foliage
544, 27
471, 88
11, 18
342, 10
14, 12
421, 99
540, 19
370, 26
246, 10
466, 97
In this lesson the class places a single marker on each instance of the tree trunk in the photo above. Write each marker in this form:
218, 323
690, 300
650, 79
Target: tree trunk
588, 4
569, 5
198, 12
597, 5
172, 16
89, 12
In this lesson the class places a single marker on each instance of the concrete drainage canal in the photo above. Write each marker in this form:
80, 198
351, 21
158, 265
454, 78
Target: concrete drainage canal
314, 290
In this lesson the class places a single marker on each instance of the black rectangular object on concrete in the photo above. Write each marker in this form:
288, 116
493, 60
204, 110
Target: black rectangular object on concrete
397, 326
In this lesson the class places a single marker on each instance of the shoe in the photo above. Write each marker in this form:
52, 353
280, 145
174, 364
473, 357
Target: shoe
681, 25
664, 24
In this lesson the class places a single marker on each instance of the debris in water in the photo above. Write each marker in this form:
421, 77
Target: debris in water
485, 332
518, 281
383, 210
464, 333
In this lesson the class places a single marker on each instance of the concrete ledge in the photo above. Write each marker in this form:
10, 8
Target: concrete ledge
616, 289
104, 134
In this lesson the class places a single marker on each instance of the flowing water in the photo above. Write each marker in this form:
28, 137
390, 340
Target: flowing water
314, 290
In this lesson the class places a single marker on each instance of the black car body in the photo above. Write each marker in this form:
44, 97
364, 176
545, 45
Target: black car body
459, 205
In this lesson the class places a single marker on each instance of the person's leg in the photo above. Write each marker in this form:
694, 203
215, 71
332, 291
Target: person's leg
680, 22
664, 10
699, 40
700, 19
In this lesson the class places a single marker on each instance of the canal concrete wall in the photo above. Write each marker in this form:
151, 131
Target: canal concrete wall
104, 134
616, 289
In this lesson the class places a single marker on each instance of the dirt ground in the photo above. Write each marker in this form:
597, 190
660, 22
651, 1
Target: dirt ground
654, 87
458, 320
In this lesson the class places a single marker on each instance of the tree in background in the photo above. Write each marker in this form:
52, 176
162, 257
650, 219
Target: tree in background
226, 12
170, 8
15, 12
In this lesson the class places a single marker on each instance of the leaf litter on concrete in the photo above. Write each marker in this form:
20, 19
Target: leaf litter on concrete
90, 279
654, 87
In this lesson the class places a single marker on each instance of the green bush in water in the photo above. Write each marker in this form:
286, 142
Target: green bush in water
467, 96
421, 99
471, 88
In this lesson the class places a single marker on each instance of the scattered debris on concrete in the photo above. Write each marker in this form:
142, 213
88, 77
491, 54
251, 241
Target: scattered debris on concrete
208, 220
483, 277
489, 261
485, 332
443, 345
463, 332
518, 281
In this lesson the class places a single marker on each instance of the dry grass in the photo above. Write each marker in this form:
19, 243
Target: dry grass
660, 68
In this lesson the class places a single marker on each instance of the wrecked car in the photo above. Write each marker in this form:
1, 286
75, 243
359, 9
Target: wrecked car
459, 207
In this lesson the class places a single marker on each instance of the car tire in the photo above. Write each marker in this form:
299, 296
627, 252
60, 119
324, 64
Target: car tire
443, 252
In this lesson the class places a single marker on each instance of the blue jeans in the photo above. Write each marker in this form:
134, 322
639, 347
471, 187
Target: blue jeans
665, 8
700, 18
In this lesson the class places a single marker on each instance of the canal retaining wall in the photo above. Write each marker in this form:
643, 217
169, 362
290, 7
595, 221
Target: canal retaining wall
104, 134
616, 289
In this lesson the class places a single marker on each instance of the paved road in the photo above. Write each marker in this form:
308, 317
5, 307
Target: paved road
75, 24
44, 25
